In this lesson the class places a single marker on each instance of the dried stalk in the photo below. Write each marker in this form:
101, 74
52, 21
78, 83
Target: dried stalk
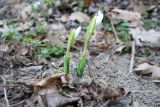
132, 57
114, 30
5, 92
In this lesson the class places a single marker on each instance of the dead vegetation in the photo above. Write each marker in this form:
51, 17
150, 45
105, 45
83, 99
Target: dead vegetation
122, 58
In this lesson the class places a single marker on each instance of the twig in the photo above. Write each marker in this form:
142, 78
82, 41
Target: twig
81, 102
132, 57
18, 103
5, 92
40, 101
114, 30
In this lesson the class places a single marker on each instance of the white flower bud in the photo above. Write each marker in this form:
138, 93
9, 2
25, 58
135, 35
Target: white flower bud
99, 18
77, 31
36, 4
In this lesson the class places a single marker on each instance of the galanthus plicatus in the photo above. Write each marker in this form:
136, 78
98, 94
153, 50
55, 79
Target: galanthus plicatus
99, 18
74, 34
96, 20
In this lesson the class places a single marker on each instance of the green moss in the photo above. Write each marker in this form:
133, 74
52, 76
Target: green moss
150, 24
143, 53
54, 51
122, 29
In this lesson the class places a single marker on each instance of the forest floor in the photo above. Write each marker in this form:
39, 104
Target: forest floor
124, 50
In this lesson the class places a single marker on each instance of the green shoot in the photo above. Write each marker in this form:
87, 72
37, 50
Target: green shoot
74, 33
96, 20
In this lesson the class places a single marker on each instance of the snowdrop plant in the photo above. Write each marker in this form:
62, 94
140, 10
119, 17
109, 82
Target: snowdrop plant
96, 20
74, 34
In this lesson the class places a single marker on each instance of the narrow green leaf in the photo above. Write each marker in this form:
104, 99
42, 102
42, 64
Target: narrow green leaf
66, 64
81, 66
91, 28
70, 41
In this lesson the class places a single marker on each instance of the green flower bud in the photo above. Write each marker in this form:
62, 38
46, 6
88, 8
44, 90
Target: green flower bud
91, 28
70, 41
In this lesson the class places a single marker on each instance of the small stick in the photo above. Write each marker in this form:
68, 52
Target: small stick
132, 57
114, 30
5, 92
40, 101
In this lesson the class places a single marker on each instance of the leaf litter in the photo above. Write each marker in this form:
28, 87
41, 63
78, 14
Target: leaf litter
54, 90
147, 68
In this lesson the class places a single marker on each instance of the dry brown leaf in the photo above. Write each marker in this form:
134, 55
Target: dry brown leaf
138, 6
156, 73
146, 68
100, 36
103, 46
120, 48
4, 48
50, 88
64, 18
79, 16
146, 38
49, 85
57, 100
87, 1
31, 68
134, 18
22, 59
19, 48
84, 94
111, 93
24, 26
25, 13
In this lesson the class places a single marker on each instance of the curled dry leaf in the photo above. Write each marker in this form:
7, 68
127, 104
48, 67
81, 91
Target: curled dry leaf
64, 18
156, 73
87, 1
4, 48
49, 85
24, 26
142, 37
100, 36
25, 13
112, 93
31, 68
120, 48
81, 17
49, 88
146, 68
84, 94
57, 100
134, 18
22, 59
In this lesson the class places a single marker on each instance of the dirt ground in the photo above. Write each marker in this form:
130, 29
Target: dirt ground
113, 68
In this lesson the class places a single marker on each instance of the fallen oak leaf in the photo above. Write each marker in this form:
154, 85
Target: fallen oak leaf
87, 1
49, 89
79, 16
48, 85
134, 18
84, 94
144, 68
4, 48
112, 93
142, 37
58, 100
147, 68
156, 74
